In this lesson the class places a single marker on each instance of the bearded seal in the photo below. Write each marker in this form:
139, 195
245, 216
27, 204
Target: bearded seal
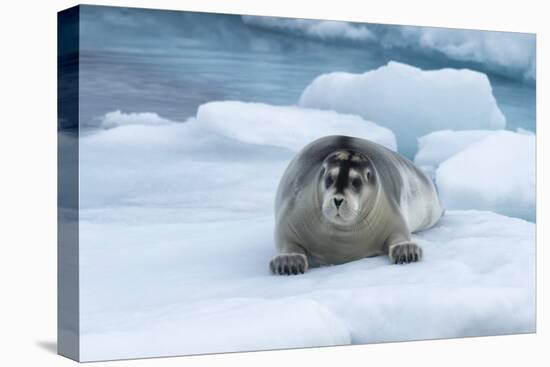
344, 198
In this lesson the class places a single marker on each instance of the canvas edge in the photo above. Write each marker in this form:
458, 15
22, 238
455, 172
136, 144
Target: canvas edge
68, 323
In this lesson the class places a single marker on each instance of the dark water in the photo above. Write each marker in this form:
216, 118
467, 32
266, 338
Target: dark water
137, 60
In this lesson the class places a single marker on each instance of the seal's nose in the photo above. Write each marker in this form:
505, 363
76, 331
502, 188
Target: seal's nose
338, 202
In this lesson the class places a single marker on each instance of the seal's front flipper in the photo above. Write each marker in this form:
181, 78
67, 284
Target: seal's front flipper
290, 263
404, 252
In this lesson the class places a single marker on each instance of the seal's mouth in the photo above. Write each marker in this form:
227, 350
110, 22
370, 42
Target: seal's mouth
339, 218
339, 210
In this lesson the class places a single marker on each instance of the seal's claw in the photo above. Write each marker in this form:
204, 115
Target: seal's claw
405, 252
289, 264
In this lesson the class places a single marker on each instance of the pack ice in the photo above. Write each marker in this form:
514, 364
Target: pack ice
176, 227
409, 101
496, 173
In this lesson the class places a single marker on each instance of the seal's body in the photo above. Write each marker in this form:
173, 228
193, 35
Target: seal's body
343, 199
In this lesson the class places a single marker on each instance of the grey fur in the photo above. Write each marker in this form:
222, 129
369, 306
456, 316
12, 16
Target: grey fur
401, 200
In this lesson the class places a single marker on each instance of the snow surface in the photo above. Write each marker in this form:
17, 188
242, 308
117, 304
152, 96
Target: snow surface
176, 227
285, 126
227, 135
497, 173
410, 101
439, 146
188, 287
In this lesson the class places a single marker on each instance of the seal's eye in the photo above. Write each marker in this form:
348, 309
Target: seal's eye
356, 182
329, 181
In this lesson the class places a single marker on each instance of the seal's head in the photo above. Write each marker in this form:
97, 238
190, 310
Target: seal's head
346, 183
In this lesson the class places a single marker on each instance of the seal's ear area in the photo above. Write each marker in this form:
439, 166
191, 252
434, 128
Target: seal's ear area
369, 174
322, 172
